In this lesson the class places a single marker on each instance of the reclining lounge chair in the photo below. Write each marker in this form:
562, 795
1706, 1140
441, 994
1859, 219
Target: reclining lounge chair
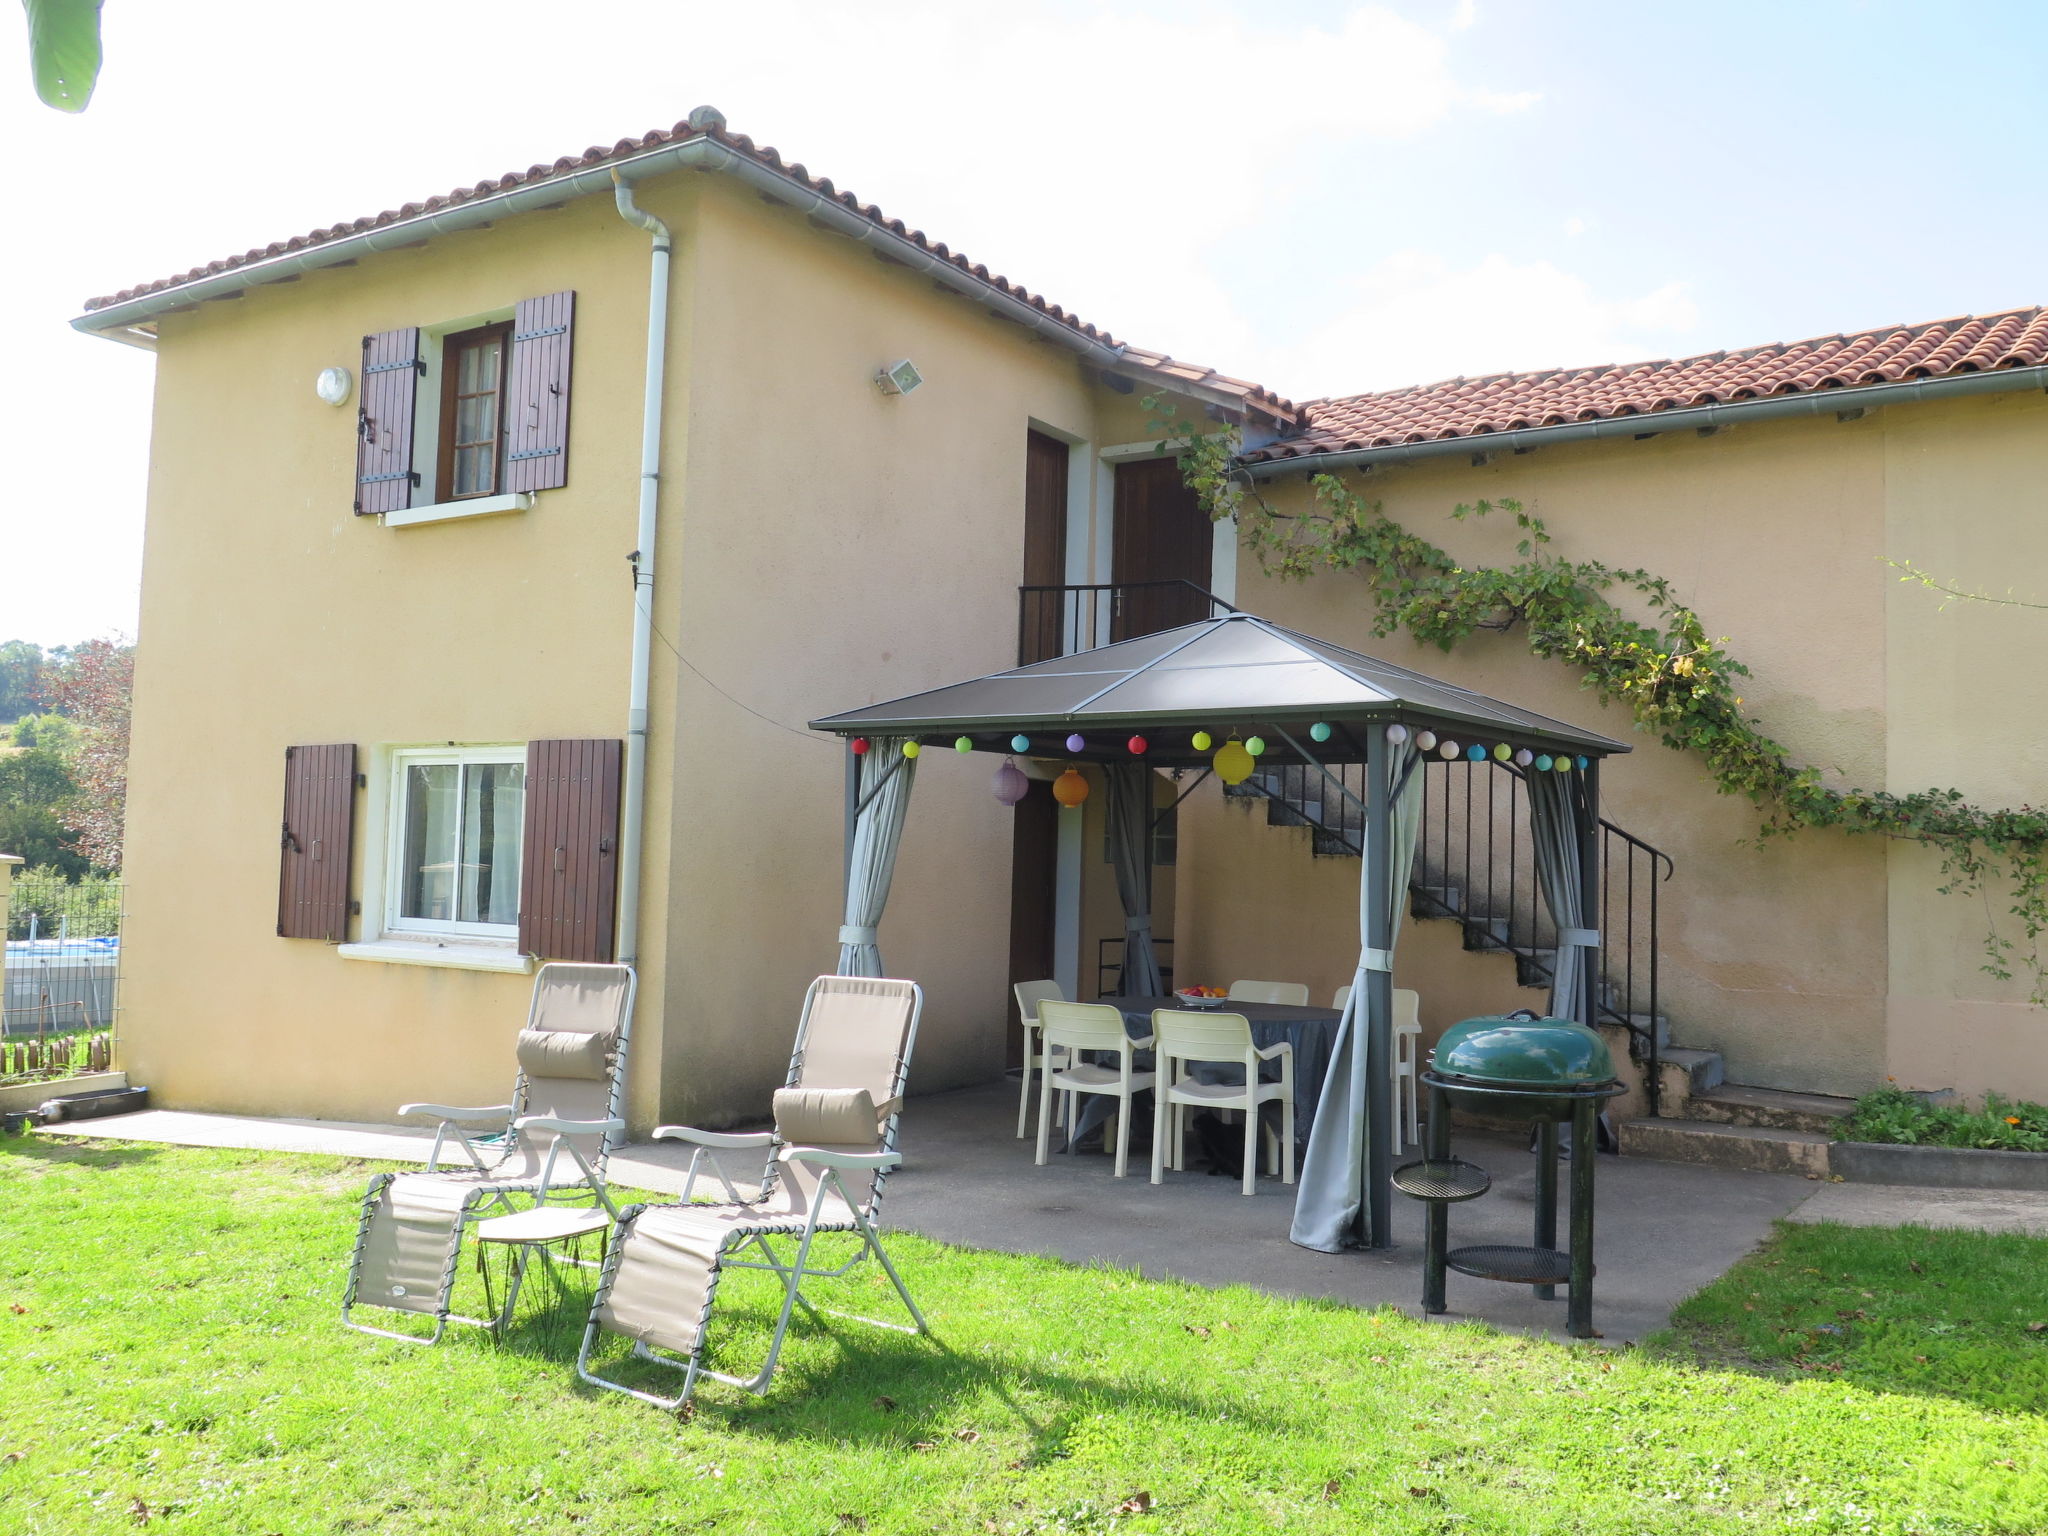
832, 1148
558, 1131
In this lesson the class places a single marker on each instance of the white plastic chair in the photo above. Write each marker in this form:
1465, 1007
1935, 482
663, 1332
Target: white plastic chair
1029, 995
1184, 1037
1077, 1027
1407, 1055
1294, 993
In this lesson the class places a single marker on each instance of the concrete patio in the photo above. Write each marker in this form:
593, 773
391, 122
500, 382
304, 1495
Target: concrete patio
1664, 1229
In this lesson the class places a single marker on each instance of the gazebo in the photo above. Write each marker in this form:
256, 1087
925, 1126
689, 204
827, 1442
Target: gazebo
1229, 696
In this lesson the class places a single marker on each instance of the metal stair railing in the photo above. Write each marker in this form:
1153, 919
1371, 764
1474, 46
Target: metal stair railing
1062, 620
1474, 866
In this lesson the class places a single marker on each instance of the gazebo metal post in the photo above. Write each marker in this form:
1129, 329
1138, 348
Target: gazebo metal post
852, 818
1378, 1205
1590, 874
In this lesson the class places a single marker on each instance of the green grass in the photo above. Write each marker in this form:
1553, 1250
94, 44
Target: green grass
1951, 1314
169, 1347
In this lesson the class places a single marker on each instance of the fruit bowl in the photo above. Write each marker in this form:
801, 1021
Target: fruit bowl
1201, 997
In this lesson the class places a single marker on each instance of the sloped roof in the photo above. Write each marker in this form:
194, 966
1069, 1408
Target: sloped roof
708, 123
1234, 672
1508, 402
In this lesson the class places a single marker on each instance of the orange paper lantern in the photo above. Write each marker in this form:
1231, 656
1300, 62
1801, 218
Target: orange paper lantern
1070, 789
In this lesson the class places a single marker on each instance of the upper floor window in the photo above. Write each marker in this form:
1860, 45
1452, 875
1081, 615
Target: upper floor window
472, 413
492, 422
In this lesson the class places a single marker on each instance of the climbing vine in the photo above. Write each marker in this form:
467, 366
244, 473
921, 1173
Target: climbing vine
1678, 683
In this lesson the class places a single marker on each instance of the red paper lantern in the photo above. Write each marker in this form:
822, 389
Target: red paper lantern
1137, 745
860, 746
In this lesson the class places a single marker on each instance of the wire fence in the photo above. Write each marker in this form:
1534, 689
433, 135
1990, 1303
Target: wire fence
61, 978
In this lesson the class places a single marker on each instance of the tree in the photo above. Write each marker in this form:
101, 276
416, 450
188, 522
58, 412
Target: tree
35, 784
64, 50
92, 687
21, 675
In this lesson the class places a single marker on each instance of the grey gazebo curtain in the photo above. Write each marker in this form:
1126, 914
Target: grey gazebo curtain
1331, 1196
1130, 850
883, 799
1554, 832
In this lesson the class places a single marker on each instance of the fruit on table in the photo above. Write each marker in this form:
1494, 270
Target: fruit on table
1203, 992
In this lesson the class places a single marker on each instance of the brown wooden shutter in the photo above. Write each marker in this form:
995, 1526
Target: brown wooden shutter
385, 476
569, 879
319, 818
537, 394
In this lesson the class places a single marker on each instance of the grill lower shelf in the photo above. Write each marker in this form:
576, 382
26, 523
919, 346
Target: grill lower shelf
1449, 1180
1517, 1266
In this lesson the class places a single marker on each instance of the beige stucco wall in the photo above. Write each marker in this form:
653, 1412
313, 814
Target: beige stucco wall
839, 546
1966, 497
822, 546
1820, 961
271, 615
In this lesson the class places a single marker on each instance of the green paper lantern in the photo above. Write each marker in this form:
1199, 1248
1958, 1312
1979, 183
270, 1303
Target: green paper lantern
1503, 752
911, 749
1320, 731
1202, 741
1543, 763
963, 744
1256, 746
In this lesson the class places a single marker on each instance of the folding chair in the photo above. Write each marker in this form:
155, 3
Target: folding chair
831, 1151
560, 1128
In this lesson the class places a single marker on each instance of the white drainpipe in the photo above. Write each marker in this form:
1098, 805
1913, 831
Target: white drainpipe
633, 807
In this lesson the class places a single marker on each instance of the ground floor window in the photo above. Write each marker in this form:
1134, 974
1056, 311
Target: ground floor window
455, 850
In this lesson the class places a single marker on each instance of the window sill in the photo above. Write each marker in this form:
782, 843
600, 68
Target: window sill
471, 956
451, 511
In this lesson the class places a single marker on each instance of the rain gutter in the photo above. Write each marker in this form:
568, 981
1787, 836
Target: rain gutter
1840, 403
703, 153
633, 798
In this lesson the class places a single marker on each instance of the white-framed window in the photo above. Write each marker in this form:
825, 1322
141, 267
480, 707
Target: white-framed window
453, 833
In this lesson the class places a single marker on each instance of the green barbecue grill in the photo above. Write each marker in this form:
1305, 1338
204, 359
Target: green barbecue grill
1524, 1067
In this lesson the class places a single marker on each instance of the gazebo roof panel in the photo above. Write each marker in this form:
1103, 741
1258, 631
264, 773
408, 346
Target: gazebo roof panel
1235, 670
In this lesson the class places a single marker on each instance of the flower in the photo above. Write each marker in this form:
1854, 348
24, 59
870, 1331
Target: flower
2012, 1119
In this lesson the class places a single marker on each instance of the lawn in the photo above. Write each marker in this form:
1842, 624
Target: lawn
171, 1360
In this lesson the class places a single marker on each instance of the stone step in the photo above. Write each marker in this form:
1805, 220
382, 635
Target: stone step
1753, 1148
1688, 1072
1771, 1108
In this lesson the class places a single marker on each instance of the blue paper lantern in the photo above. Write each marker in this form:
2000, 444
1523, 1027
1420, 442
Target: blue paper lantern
1543, 763
1583, 763
1020, 743
1320, 731
1475, 753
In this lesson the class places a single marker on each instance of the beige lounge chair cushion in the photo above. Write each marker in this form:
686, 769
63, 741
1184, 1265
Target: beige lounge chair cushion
826, 1117
565, 1053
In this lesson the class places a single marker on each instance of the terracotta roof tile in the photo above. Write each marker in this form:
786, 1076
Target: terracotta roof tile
1508, 402
598, 154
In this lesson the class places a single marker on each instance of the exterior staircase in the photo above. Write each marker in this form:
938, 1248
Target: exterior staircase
1473, 868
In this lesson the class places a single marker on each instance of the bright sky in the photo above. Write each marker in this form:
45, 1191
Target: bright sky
1326, 197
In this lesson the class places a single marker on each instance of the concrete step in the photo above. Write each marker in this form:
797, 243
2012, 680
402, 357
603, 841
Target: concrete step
1661, 1024
1442, 899
1689, 1072
1754, 1148
1771, 1108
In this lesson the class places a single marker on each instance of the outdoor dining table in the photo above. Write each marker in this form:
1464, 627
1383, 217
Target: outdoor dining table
1311, 1031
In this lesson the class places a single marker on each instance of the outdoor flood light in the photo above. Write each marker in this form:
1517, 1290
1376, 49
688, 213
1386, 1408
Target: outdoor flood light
333, 385
898, 378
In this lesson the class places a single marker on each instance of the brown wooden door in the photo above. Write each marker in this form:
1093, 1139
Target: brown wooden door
1162, 534
1042, 617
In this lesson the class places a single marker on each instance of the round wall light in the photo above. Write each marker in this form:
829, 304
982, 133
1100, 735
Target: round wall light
333, 385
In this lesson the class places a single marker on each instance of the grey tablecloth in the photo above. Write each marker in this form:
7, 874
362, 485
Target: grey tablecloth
1311, 1031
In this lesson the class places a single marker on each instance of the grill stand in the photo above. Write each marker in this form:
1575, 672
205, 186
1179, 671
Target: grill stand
1541, 1264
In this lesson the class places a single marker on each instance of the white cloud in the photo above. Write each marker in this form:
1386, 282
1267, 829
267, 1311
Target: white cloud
1415, 318
1466, 13
1575, 227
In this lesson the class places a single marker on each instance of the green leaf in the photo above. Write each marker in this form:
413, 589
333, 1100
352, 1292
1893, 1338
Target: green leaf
64, 50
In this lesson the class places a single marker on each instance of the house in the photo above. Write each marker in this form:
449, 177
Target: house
407, 479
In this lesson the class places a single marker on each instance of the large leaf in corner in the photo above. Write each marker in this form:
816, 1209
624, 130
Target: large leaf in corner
64, 50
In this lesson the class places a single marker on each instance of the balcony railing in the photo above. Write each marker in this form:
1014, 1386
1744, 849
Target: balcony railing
1058, 621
